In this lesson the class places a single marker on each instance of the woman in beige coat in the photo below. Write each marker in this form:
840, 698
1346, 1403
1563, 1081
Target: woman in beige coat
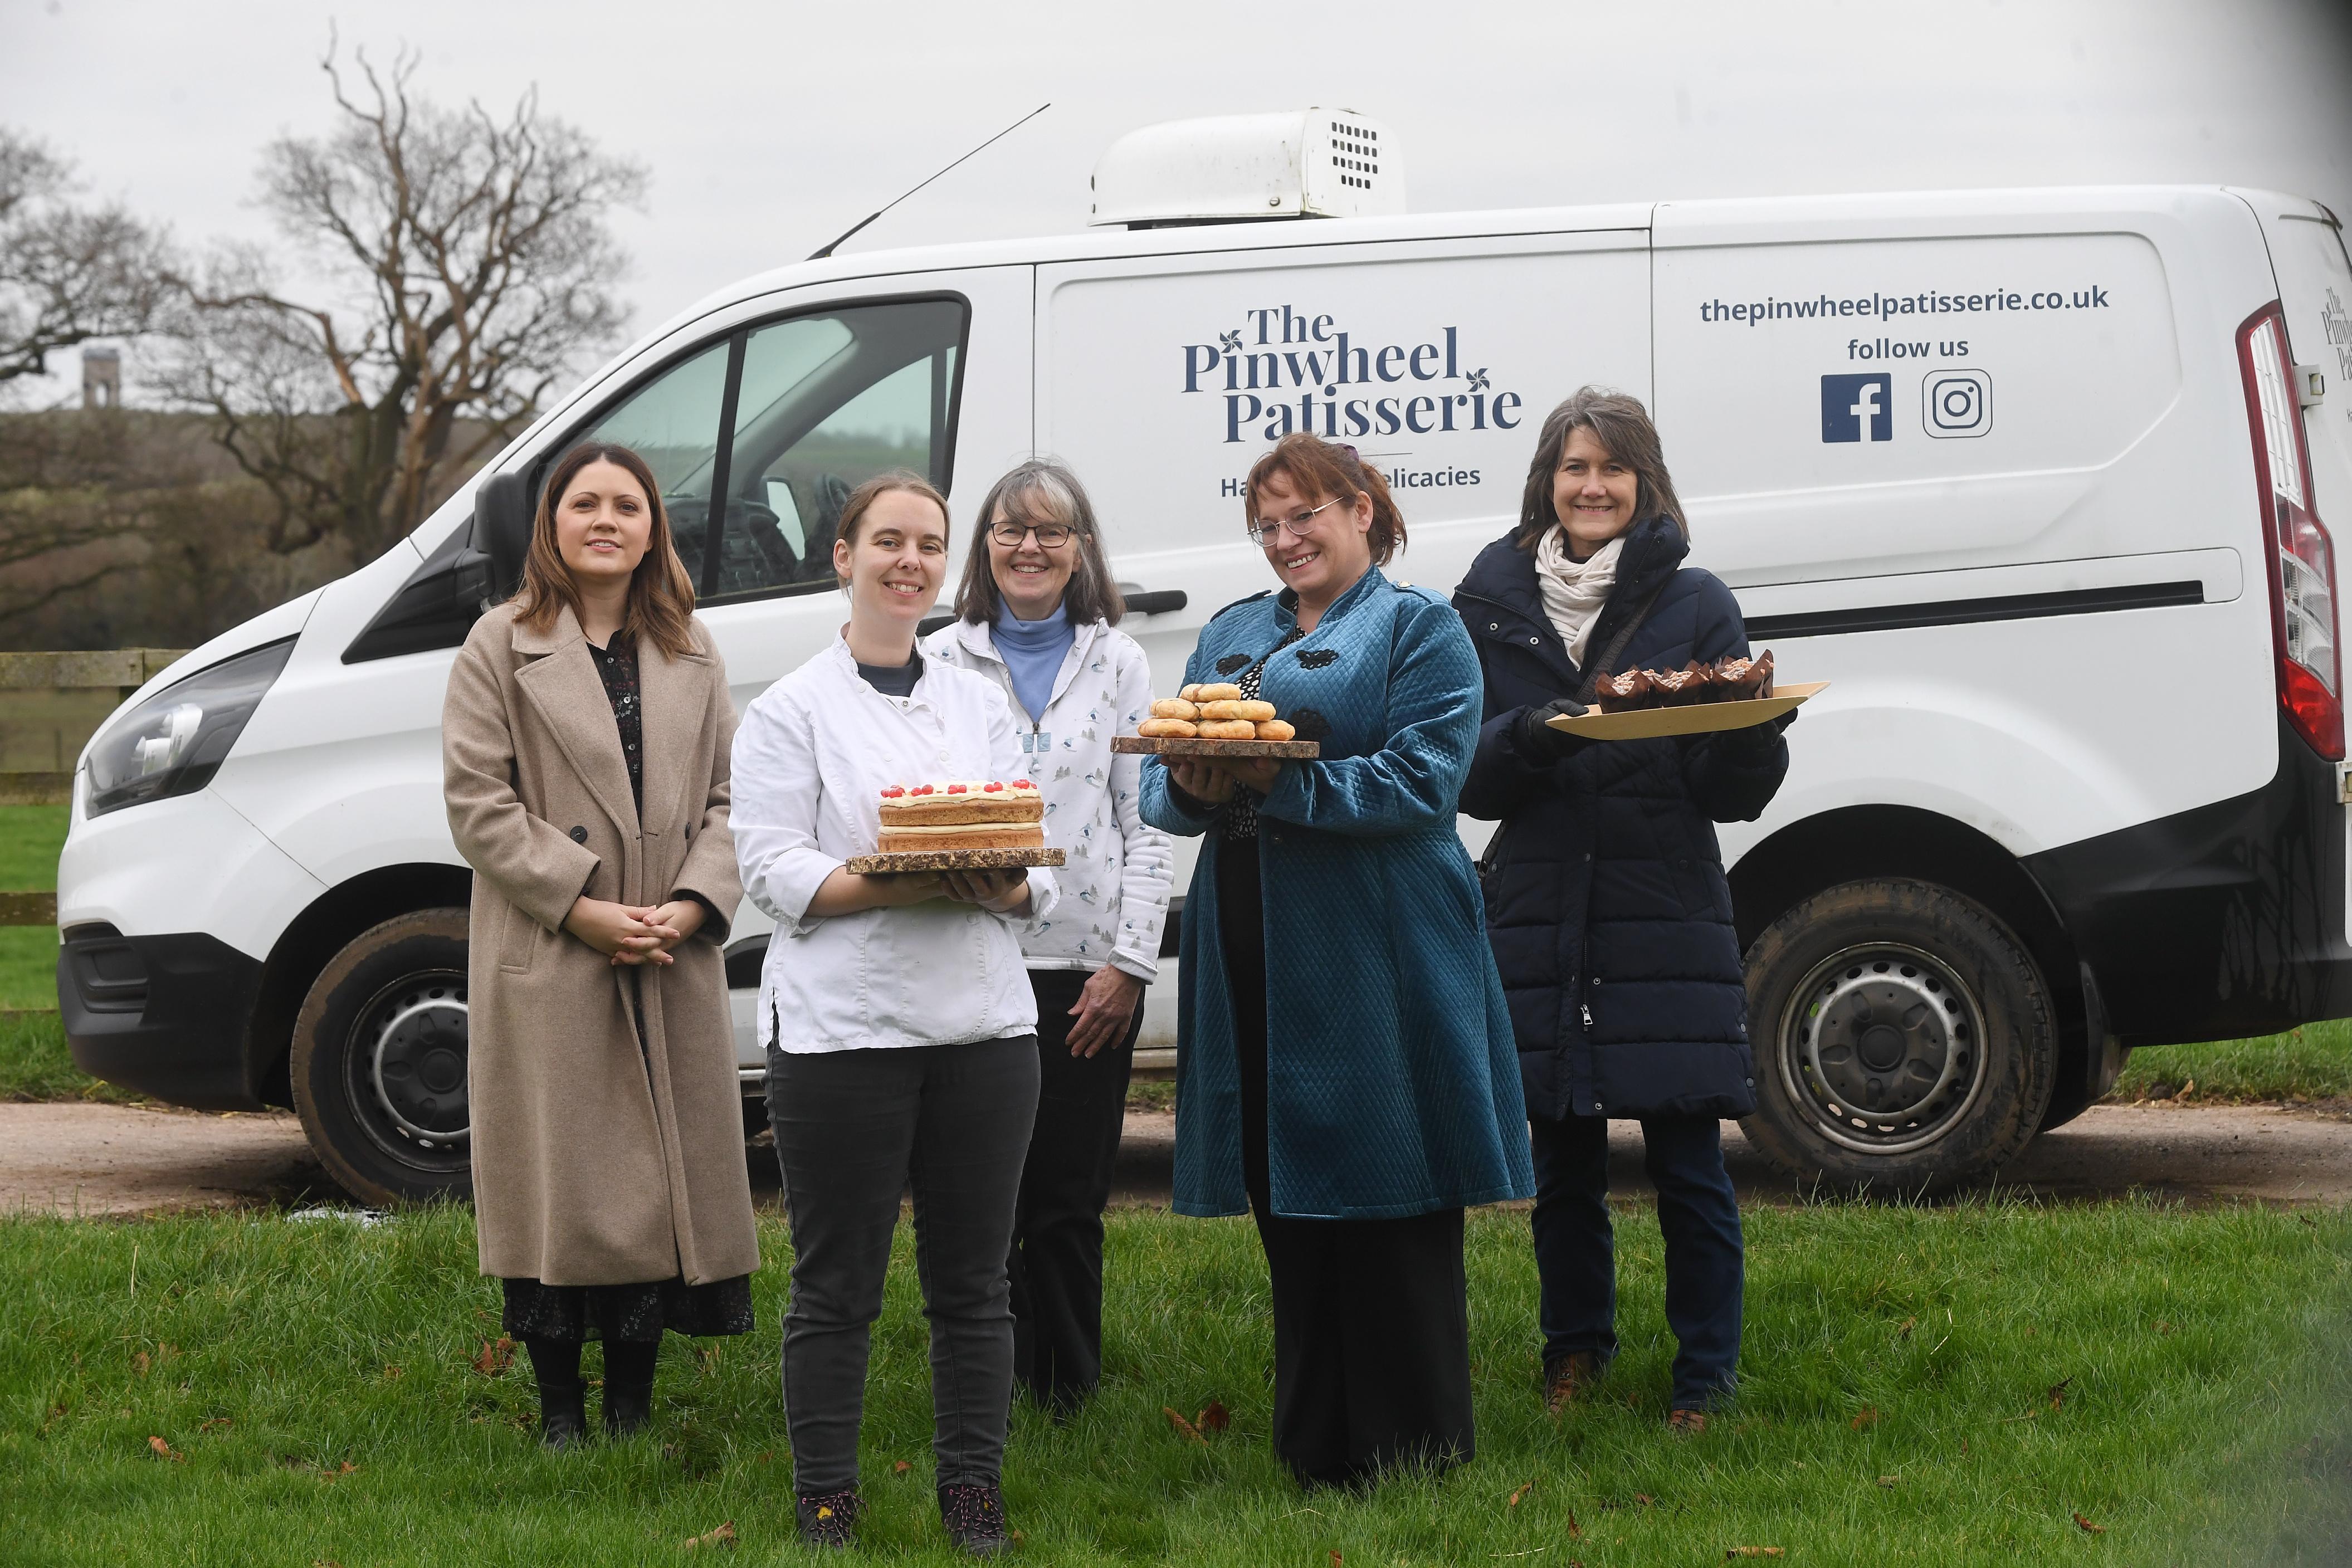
585, 748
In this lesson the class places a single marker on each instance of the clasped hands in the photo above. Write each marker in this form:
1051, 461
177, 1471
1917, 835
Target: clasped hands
630, 934
1212, 780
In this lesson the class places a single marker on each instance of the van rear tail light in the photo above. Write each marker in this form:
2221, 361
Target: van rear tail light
2302, 559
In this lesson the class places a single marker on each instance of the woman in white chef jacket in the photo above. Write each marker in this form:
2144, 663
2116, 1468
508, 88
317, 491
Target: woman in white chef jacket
900, 1026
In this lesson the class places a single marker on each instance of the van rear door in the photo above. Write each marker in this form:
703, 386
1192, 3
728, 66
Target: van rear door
2315, 285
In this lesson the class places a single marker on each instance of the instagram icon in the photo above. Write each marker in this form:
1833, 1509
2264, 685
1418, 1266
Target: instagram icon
1957, 402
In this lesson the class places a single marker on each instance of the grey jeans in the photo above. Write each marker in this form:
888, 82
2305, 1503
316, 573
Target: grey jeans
853, 1130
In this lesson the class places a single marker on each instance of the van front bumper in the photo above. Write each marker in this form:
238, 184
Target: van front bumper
165, 1015
2223, 923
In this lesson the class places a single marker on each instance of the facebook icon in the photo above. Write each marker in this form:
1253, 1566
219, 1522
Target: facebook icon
1858, 408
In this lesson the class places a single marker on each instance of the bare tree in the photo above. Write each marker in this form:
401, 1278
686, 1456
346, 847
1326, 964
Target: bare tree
68, 273
464, 266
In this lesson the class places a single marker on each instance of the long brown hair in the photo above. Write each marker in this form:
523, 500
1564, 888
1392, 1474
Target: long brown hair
861, 501
1054, 490
1623, 427
1318, 467
661, 594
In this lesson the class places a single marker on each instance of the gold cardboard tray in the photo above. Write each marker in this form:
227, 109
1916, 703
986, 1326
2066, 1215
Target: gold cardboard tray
1698, 718
949, 860
1177, 745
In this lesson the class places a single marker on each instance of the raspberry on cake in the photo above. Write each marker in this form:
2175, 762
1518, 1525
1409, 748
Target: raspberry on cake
981, 814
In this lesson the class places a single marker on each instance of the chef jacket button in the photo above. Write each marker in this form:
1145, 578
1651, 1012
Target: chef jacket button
1494, 626
1596, 1107
1535, 642
579, 835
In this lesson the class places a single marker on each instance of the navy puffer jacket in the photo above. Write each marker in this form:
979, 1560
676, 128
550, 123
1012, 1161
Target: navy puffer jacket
1606, 900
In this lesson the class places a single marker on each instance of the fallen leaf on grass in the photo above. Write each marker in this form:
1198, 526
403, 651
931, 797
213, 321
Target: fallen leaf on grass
2058, 1393
1731, 1551
1520, 1494
2188, 1089
1868, 1418
1909, 1324
1335, 1557
139, 1363
215, 1421
392, 1373
2162, 1327
496, 1354
901, 1467
722, 1536
1575, 1531
1183, 1426
2087, 1525
324, 1563
1215, 1418
1645, 1500
1890, 1482
165, 1450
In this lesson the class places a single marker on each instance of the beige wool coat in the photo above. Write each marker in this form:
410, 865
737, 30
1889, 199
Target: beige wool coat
599, 1158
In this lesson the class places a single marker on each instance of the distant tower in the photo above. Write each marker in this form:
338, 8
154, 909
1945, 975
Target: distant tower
101, 378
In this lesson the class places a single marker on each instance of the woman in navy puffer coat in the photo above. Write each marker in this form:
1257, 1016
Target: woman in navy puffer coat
1606, 902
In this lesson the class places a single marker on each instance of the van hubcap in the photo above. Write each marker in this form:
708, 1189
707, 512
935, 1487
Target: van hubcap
1881, 1049
410, 1067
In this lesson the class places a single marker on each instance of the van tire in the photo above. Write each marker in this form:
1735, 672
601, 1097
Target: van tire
378, 1062
1916, 1001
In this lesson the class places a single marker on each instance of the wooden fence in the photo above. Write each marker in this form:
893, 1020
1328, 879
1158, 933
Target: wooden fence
51, 705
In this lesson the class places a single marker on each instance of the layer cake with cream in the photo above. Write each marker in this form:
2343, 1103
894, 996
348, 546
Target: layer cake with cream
988, 814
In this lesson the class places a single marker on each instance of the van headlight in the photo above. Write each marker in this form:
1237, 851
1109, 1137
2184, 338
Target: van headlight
175, 742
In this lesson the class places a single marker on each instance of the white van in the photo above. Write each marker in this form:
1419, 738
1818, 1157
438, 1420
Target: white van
2033, 477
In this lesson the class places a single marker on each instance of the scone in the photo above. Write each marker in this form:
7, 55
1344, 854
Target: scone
1227, 729
1174, 707
1255, 712
1218, 692
1167, 728
1274, 729
1191, 693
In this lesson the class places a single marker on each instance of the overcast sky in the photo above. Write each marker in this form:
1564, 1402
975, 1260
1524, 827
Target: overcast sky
768, 127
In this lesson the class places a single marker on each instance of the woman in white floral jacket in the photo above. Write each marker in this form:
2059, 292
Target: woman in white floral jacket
1038, 612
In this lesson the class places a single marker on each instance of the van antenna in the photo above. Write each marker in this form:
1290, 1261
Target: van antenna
983, 147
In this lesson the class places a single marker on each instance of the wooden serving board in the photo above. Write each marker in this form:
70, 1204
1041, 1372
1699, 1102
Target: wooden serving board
1177, 745
1698, 718
949, 860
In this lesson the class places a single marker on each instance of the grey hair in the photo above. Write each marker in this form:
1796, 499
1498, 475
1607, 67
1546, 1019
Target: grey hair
1053, 490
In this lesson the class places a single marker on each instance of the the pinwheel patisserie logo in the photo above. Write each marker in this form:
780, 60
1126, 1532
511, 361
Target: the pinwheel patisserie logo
1283, 370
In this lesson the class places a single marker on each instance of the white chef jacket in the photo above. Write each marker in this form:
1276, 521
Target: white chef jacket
812, 757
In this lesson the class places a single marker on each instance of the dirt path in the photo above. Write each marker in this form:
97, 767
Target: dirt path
99, 1160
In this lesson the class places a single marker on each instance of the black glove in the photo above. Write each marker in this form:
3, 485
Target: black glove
1539, 742
1755, 744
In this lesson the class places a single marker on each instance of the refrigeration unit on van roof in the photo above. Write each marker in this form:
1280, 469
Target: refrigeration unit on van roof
1301, 164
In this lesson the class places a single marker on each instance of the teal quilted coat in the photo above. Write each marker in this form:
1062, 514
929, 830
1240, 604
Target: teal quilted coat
1392, 1079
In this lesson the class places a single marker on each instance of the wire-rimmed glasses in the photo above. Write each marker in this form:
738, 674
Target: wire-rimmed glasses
1296, 523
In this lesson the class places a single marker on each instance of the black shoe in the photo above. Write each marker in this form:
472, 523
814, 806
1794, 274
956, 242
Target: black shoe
974, 1517
627, 1408
563, 1415
829, 1519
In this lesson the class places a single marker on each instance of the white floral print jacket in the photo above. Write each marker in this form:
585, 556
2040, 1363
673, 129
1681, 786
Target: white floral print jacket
1115, 883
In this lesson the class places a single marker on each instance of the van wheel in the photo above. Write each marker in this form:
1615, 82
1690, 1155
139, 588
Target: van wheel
378, 1062
1905, 1039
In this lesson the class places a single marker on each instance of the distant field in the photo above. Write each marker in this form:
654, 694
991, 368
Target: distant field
30, 838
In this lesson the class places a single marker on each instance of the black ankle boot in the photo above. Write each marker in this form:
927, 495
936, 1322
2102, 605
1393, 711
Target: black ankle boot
628, 1386
562, 1399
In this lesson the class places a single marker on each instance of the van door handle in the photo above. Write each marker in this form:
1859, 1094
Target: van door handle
1160, 604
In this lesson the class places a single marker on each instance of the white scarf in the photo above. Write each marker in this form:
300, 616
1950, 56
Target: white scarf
1574, 590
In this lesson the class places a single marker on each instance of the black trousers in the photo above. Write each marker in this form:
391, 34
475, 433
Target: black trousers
1058, 1231
853, 1130
1371, 1317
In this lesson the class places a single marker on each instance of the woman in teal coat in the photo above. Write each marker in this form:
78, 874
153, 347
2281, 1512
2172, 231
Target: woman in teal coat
1348, 1064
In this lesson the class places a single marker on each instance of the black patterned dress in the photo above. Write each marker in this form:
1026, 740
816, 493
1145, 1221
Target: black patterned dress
626, 1313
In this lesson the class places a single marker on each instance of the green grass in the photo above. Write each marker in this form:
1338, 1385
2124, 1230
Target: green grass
30, 838
1899, 1365
2313, 1062
34, 1064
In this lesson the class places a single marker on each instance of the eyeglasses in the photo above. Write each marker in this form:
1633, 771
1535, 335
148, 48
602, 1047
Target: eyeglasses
1050, 535
1297, 523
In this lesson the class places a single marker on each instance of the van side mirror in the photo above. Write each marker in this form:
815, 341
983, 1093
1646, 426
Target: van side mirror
502, 529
